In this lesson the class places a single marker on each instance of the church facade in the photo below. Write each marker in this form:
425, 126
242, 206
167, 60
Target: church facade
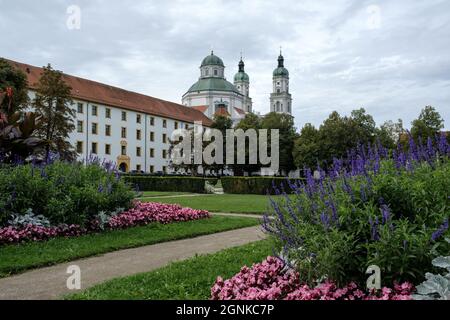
214, 95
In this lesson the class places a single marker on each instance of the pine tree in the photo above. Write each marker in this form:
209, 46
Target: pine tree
53, 103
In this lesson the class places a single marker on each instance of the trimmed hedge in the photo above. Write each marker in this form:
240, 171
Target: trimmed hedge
253, 185
169, 184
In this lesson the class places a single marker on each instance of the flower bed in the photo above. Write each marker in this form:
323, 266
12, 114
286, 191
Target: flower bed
145, 213
141, 214
270, 280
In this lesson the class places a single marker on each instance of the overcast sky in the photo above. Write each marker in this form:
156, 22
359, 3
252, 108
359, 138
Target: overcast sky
391, 57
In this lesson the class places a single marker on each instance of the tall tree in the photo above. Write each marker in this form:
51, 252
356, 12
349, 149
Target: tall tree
285, 124
53, 103
429, 124
307, 147
389, 133
251, 121
336, 136
364, 126
221, 123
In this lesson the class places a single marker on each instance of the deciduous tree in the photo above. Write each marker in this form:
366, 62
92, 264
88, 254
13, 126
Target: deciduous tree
53, 102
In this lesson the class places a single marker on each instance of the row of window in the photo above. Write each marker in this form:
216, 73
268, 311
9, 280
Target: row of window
80, 109
94, 150
94, 130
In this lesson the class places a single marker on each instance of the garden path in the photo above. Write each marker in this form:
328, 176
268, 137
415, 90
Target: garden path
50, 282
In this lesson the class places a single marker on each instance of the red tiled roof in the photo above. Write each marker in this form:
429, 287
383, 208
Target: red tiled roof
222, 112
240, 111
91, 91
201, 108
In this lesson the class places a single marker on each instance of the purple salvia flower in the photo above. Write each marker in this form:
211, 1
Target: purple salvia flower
385, 213
325, 219
441, 231
374, 229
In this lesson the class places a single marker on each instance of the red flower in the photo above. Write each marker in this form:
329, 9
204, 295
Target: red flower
9, 92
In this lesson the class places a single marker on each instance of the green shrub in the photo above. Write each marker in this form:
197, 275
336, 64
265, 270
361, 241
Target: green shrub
252, 185
338, 228
169, 184
61, 192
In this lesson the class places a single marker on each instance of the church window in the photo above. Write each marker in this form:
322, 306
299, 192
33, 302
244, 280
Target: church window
278, 90
207, 72
215, 72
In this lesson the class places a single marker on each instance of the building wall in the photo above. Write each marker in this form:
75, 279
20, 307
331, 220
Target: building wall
133, 161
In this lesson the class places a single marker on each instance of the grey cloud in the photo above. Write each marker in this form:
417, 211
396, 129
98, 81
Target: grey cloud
336, 61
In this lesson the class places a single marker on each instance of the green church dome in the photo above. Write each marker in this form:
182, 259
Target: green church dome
281, 72
213, 84
241, 76
212, 60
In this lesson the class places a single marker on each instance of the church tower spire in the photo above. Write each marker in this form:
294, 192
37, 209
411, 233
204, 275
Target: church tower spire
281, 99
242, 84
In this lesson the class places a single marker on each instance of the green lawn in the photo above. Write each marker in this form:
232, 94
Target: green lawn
229, 203
186, 280
162, 194
17, 258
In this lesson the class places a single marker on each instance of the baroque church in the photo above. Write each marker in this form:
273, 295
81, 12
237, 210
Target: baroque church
213, 95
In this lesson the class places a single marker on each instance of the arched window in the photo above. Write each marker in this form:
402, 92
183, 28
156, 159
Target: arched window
278, 106
215, 72
207, 72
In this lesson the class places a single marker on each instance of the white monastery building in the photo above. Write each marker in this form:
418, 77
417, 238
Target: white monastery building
124, 127
133, 130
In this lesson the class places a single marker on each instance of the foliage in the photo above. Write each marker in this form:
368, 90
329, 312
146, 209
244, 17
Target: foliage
16, 81
221, 123
427, 125
29, 218
252, 185
285, 124
64, 193
53, 103
251, 121
436, 287
389, 133
373, 209
271, 280
173, 184
17, 129
306, 147
335, 136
